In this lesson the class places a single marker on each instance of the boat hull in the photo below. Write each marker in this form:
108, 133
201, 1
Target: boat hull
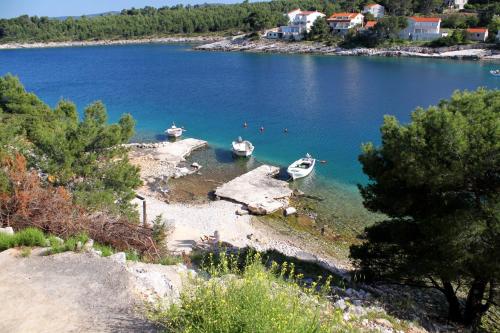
295, 172
242, 153
242, 149
174, 133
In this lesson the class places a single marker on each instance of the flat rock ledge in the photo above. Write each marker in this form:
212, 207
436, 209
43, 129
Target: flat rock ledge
258, 190
161, 159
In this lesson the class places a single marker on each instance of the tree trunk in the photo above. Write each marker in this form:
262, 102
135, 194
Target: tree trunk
454, 309
474, 308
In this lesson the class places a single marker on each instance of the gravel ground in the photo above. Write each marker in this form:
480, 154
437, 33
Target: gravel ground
72, 292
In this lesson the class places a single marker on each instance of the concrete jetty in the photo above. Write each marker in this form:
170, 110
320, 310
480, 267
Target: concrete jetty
161, 159
258, 190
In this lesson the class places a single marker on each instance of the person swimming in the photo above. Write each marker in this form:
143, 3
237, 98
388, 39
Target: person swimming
262, 129
285, 130
245, 124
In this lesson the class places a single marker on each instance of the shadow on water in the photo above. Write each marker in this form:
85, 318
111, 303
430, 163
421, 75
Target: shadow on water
223, 155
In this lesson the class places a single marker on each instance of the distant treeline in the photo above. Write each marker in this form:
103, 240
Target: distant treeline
149, 21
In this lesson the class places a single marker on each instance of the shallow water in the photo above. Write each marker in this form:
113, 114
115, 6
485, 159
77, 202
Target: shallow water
330, 105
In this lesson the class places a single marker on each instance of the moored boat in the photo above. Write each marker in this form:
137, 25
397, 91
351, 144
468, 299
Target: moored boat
242, 147
495, 72
174, 131
302, 167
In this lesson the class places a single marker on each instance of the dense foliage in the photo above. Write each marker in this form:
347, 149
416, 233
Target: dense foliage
438, 181
82, 155
250, 300
207, 18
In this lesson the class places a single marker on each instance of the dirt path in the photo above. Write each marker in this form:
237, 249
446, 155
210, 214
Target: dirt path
67, 292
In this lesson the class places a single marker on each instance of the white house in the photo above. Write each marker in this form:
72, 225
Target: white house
342, 22
291, 15
375, 9
300, 23
455, 4
478, 34
422, 28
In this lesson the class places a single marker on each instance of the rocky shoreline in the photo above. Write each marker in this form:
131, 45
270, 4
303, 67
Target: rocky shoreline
462, 52
162, 40
485, 52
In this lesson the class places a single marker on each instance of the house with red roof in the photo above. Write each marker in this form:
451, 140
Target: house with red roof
477, 34
300, 22
342, 22
370, 24
375, 9
422, 28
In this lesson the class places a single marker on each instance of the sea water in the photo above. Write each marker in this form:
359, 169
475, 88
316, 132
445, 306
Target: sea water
329, 105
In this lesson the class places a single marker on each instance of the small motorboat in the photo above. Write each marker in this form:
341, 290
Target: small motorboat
495, 72
242, 147
302, 167
174, 131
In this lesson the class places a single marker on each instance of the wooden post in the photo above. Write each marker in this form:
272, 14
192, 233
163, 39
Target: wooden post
144, 216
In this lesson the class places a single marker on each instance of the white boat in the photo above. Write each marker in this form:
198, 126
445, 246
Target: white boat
242, 147
495, 72
302, 167
174, 131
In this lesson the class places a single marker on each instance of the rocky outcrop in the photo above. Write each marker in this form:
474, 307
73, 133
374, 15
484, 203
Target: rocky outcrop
164, 40
474, 51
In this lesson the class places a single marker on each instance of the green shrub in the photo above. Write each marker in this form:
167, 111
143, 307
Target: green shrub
132, 255
170, 260
258, 300
6, 241
29, 237
106, 250
69, 245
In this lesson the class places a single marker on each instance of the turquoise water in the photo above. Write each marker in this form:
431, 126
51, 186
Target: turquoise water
330, 105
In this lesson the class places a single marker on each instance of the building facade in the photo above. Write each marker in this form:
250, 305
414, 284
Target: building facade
342, 22
455, 4
300, 22
477, 34
375, 9
422, 28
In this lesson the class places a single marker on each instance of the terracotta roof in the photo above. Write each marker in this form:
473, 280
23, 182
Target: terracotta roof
340, 16
370, 24
372, 5
293, 10
425, 19
480, 30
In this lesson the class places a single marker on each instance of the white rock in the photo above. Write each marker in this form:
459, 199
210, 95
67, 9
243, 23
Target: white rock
290, 211
383, 322
119, 257
59, 240
95, 252
340, 304
88, 245
7, 230
196, 165
79, 246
